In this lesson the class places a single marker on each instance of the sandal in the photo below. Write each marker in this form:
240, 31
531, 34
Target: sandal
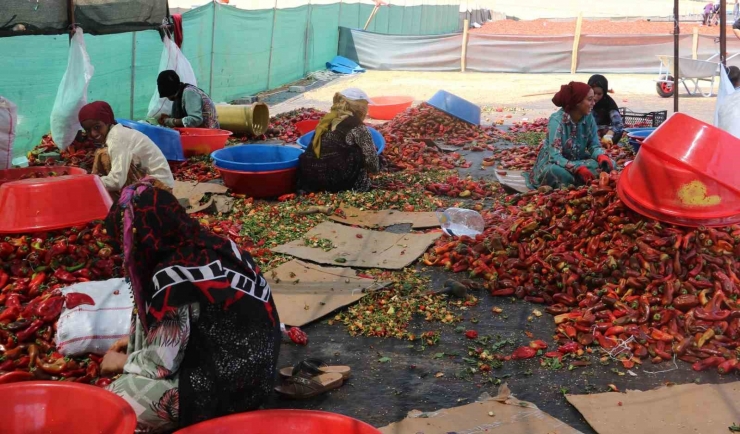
314, 367
301, 387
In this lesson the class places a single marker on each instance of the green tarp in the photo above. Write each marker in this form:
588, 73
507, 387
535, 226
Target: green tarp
234, 53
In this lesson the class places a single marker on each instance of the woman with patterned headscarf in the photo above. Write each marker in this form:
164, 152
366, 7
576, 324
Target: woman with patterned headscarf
128, 155
571, 153
342, 151
205, 334
606, 111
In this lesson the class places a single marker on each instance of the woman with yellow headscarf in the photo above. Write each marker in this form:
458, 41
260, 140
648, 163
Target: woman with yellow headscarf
342, 152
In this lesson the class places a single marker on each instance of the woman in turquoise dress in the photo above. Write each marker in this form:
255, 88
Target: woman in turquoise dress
571, 152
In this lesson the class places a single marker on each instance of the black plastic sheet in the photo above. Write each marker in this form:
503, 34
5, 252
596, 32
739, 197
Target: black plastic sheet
96, 17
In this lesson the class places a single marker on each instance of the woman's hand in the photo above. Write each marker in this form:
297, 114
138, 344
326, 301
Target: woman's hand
162, 119
113, 363
119, 346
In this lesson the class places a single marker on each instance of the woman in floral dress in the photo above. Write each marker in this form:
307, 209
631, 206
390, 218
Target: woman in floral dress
205, 333
571, 152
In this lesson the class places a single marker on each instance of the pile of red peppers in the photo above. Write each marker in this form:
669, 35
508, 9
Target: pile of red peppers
197, 168
80, 153
610, 277
33, 268
465, 188
283, 127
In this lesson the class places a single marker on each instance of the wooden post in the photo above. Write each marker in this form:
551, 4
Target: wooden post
576, 42
372, 14
695, 44
464, 53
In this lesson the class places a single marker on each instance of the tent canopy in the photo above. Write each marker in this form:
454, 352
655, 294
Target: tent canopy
96, 17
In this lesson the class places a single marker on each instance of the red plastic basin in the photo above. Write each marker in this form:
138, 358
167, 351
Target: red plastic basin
8, 175
202, 141
46, 204
41, 407
282, 422
684, 174
260, 184
305, 127
387, 107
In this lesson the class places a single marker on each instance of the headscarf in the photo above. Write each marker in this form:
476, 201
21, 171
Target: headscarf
168, 83
342, 108
603, 108
571, 95
99, 111
172, 262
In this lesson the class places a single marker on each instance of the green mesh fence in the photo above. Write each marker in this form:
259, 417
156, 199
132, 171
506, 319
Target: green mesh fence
233, 52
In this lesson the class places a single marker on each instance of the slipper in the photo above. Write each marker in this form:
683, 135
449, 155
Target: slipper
301, 387
315, 367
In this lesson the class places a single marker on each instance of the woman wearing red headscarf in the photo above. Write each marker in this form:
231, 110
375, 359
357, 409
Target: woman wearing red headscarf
571, 152
128, 156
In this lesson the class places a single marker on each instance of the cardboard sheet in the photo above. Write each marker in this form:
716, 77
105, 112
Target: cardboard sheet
503, 414
385, 218
306, 292
512, 179
189, 194
684, 409
360, 248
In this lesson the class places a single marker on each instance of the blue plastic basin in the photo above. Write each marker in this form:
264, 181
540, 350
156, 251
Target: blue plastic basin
455, 106
305, 140
636, 137
257, 158
167, 140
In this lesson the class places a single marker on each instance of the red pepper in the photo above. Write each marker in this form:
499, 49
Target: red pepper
73, 373
298, 336
727, 366
36, 281
64, 276
709, 362
3, 279
538, 345
56, 367
103, 382
15, 376
7, 365
554, 355
27, 333
59, 248
570, 347
50, 308
471, 334
523, 353
6, 249
10, 313
74, 299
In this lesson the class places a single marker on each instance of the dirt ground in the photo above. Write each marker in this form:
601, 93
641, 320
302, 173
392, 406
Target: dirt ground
522, 96
595, 27
392, 377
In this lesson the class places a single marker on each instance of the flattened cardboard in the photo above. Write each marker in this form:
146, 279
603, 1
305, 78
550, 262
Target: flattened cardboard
512, 179
684, 409
189, 194
510, 416
385, 218
360, 248
306, 292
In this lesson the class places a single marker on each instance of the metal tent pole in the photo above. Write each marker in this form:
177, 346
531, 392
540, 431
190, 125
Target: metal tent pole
676, 33
213, 47
272, 42
723, 32
133, 72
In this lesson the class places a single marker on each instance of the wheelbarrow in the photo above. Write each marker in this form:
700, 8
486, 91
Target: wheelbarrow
689, 71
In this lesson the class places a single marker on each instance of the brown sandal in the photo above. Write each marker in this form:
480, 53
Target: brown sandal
302, 387
314, 367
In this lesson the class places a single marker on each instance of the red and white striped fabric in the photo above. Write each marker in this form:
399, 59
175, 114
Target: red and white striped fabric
93, 329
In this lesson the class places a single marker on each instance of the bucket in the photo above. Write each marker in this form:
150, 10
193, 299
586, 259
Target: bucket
244, 119
282, 422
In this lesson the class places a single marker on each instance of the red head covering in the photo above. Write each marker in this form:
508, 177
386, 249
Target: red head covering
98, 110
571, 95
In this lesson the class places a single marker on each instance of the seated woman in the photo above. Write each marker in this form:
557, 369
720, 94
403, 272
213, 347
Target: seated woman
342, 152
571, 152
606, 112
129, 155
191, 107
205, 334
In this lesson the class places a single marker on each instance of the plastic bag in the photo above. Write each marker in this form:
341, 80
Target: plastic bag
725, 89
172, 58
72, 93
8, 121
93, 329
459, 221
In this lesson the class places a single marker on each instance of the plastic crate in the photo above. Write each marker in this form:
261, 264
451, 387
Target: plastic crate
632, 119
